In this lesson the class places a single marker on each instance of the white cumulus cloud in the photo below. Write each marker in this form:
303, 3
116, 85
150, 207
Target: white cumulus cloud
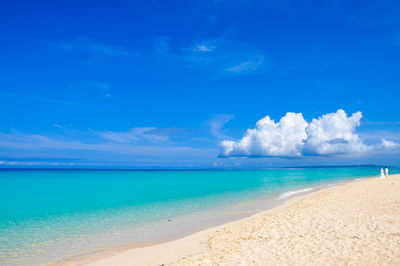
293, 136
270, 138
334, 133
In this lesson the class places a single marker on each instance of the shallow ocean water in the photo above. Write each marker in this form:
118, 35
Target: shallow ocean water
50, 215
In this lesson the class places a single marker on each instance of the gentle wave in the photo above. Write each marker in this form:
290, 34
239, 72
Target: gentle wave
293, 192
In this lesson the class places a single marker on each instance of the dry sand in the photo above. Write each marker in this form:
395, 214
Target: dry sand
353, 224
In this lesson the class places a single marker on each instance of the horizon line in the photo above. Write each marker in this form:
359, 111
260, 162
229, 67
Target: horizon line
180, 169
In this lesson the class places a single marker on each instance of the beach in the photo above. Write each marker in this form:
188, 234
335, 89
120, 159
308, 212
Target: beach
64, 216
357, 223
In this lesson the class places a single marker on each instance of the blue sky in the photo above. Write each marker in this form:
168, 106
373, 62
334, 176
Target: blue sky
164, 83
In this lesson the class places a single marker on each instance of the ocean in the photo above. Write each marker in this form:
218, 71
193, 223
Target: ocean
66, 215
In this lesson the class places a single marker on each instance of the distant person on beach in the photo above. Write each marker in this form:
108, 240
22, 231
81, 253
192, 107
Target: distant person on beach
386, 171
382, 175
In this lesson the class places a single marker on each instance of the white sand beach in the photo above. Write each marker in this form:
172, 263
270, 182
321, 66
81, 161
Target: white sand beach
357, 223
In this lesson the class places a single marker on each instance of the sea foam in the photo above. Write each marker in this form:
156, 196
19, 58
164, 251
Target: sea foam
293, 192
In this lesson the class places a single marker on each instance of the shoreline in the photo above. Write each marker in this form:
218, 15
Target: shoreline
198, 236
227, 215
207, 200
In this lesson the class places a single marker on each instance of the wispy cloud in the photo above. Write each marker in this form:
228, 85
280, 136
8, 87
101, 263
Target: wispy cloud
215, 58
217, 123
87, 45
151, 134
34, 163
374, 136
247, 66
82, 94
205, 47
138, 145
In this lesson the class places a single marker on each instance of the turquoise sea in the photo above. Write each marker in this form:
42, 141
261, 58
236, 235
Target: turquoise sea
57, 215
